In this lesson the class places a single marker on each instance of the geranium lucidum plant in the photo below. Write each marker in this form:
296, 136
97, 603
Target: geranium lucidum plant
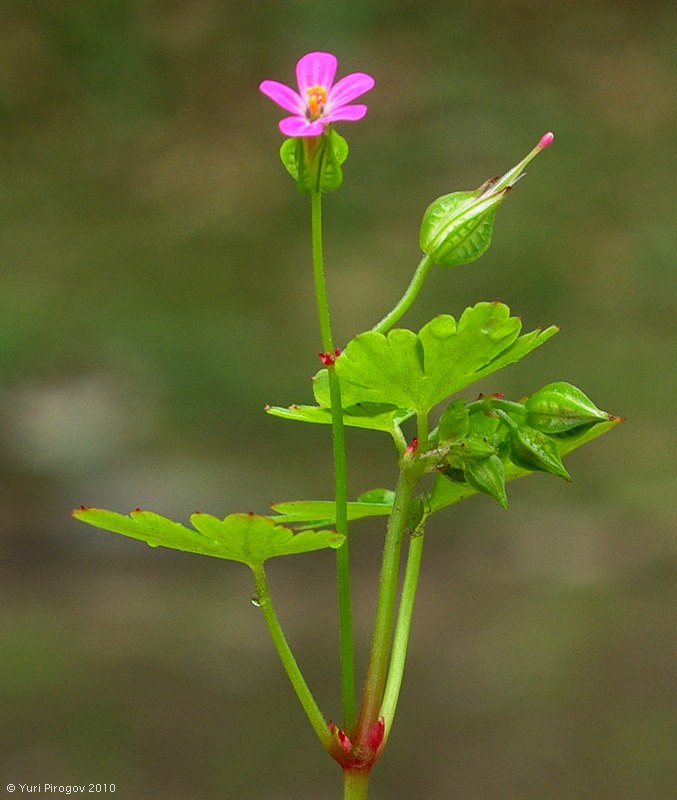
389, 380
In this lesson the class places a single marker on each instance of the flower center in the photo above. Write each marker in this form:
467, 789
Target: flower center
317, 98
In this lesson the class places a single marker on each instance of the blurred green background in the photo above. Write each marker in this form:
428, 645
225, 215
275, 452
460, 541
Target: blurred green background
155, 293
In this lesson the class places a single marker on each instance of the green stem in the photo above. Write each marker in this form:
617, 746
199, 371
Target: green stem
355, 784
398, 653
373, 697
346, 645
294, 674
490, 402
407, 298
380, 646
318, 273
405, 611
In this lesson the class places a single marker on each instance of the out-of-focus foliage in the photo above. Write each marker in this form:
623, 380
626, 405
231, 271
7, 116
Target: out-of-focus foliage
155, 294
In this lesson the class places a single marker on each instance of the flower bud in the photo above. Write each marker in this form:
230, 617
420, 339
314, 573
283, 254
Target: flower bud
559, 407
533, 450
487, 475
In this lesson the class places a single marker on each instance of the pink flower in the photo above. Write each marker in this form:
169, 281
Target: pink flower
319, 100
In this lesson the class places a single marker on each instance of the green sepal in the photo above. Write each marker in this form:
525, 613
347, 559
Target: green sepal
457, 227
315, 162
559, 407
446, 493
416, 371
247, 538
454, 422
475, 448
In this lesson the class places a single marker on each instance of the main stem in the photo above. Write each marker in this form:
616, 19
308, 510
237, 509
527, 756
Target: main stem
374, 704
405, 611
355, 784
380, 645
340, 474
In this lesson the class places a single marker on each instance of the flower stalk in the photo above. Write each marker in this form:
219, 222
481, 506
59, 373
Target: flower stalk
346, 644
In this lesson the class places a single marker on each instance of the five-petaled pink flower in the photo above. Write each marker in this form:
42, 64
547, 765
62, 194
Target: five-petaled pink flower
319, 100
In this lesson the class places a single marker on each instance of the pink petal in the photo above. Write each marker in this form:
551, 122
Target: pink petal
283, 96
315, 69
351, 113
349, 88
299, 126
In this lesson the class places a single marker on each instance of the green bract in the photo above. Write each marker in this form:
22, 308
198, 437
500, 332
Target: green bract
247, 538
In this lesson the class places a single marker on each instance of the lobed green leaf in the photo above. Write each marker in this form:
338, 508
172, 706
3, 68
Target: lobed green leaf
416, 371
247, 538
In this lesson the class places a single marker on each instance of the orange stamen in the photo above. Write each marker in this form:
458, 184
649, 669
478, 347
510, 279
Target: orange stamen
317, 97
